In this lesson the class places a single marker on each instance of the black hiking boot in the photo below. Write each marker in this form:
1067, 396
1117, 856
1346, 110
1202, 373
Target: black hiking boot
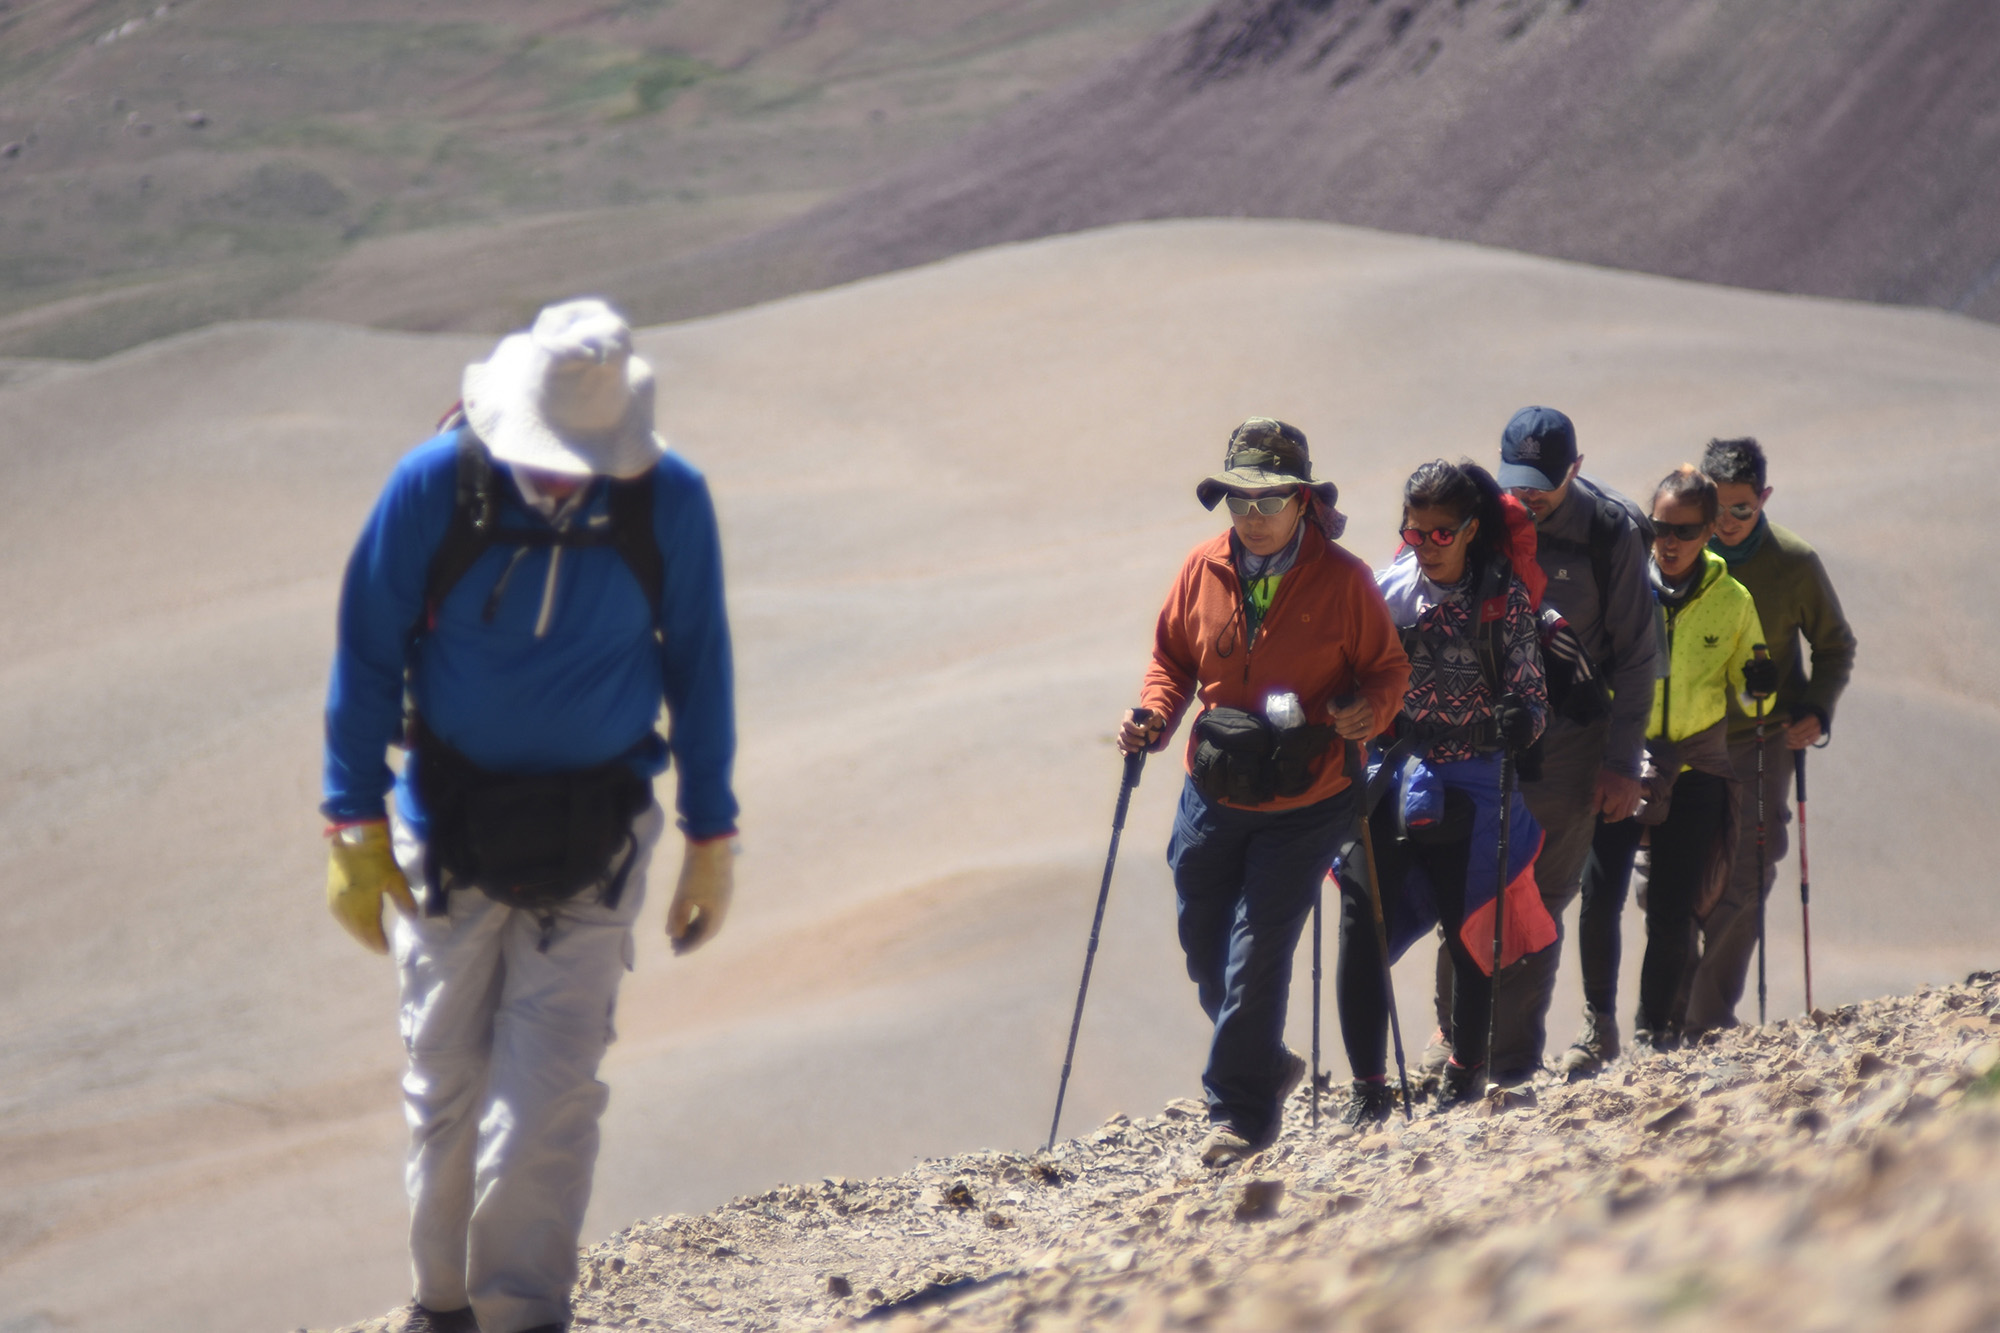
1595, 1047
1657, 1040
1460, 1086
1368, 1103
420, 1319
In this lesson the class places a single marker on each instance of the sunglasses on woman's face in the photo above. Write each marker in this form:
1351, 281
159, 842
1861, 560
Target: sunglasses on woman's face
1414, 537
1742, 513
1263, 504
1680, 532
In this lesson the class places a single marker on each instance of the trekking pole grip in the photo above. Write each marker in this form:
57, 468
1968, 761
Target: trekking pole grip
1136, 761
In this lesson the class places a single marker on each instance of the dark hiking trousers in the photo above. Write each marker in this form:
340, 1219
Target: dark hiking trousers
1358, 982
1681, 848
1245, 880
1600, 913
1729, 935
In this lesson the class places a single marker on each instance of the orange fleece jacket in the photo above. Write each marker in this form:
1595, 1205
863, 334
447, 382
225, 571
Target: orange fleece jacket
1328, 633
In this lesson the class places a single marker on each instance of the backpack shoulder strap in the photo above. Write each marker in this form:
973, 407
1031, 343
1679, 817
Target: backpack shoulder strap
474, 528
471, 530
1489, 617
1608, 522
633, 537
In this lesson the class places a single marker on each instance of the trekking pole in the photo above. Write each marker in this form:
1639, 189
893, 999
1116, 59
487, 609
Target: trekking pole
1381, 927
1134, 762
1499, 910
1762, 654
1805, 879
1319, 897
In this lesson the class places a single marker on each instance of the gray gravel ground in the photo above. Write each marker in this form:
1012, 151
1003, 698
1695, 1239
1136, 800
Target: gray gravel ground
1833, 1172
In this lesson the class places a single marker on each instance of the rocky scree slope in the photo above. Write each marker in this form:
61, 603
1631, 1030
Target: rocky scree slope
1839, 1171
1842, 148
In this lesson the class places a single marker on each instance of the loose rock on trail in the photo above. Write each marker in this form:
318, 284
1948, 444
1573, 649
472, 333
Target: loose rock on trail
1831, 1172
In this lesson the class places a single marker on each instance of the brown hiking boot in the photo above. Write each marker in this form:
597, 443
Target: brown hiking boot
1225, 1145
1595, 1047
1288, 1083
1431, 1063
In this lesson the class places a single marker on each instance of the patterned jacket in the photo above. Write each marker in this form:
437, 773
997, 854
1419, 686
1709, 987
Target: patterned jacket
1450, 701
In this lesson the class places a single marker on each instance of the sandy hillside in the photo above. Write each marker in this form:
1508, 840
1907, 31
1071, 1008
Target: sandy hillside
1836, 147
951, 499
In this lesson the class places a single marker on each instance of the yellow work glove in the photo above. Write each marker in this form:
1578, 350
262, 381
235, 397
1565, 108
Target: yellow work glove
359, 870
708, 877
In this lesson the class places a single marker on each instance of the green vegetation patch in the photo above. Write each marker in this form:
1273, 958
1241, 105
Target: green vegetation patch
664, 76
651, 80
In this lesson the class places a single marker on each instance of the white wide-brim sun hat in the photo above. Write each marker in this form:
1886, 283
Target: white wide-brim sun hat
567, 396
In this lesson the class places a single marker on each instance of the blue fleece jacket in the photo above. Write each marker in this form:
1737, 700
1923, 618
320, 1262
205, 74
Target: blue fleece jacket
585, 691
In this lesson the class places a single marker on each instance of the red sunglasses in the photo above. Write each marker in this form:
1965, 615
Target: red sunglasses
1414, 537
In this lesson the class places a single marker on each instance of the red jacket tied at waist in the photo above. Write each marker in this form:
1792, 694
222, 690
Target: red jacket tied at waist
1327, 634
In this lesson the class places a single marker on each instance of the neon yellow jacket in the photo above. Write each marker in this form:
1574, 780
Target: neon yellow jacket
1707, 639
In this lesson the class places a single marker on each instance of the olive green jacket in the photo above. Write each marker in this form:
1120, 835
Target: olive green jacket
1706, 639
1795, 601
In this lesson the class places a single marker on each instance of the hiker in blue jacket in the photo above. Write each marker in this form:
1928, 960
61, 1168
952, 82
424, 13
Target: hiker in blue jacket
533, 583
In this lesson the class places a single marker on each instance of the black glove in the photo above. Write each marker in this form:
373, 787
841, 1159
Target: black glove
1528, 763
1760, 678
1515, 722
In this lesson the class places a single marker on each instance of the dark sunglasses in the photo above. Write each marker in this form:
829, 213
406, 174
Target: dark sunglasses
1741, 512
1414, 537
1263, 504
1680, 532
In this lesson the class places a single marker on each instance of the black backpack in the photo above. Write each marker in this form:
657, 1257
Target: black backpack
475, 528
1607, 523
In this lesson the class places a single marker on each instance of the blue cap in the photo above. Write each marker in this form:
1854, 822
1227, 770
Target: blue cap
1536, 449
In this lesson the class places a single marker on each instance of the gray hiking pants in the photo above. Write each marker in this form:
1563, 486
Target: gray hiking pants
504, 1029
1561, 802
1729, 935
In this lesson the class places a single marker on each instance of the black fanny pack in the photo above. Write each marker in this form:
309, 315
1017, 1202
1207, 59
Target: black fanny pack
1241, 758
525, 841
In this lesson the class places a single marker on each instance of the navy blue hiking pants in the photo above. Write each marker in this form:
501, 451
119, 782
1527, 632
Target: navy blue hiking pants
1244, 880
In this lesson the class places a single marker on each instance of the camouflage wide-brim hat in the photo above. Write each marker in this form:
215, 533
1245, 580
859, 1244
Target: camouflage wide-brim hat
1264, 452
